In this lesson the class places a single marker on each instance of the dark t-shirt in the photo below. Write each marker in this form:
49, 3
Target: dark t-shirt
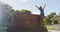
42, 12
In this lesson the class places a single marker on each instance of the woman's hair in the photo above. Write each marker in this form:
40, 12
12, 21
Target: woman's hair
40, 8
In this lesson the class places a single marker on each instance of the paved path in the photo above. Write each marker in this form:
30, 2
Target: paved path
53, 31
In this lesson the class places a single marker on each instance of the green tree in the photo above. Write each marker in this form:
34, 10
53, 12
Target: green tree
48, 17
23, 11
8, 13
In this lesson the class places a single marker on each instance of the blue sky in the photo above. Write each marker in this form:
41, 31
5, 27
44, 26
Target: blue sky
51, 5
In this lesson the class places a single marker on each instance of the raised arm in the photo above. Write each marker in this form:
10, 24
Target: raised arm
44, 6
37, 6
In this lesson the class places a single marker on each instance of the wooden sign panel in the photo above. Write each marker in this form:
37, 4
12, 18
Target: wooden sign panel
26, 20
22, 22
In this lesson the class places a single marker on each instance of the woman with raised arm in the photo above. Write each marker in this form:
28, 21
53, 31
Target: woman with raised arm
41, 9
42, 28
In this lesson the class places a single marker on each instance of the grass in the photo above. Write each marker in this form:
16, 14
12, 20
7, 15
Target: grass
51, 27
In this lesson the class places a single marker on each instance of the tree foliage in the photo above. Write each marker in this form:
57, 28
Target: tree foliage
7, 15
23, 11
9, 12
48, 17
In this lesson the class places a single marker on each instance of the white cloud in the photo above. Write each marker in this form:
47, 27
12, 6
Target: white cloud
24, 0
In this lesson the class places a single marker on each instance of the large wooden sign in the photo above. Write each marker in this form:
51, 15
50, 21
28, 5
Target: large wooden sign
26, 20
22, 22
